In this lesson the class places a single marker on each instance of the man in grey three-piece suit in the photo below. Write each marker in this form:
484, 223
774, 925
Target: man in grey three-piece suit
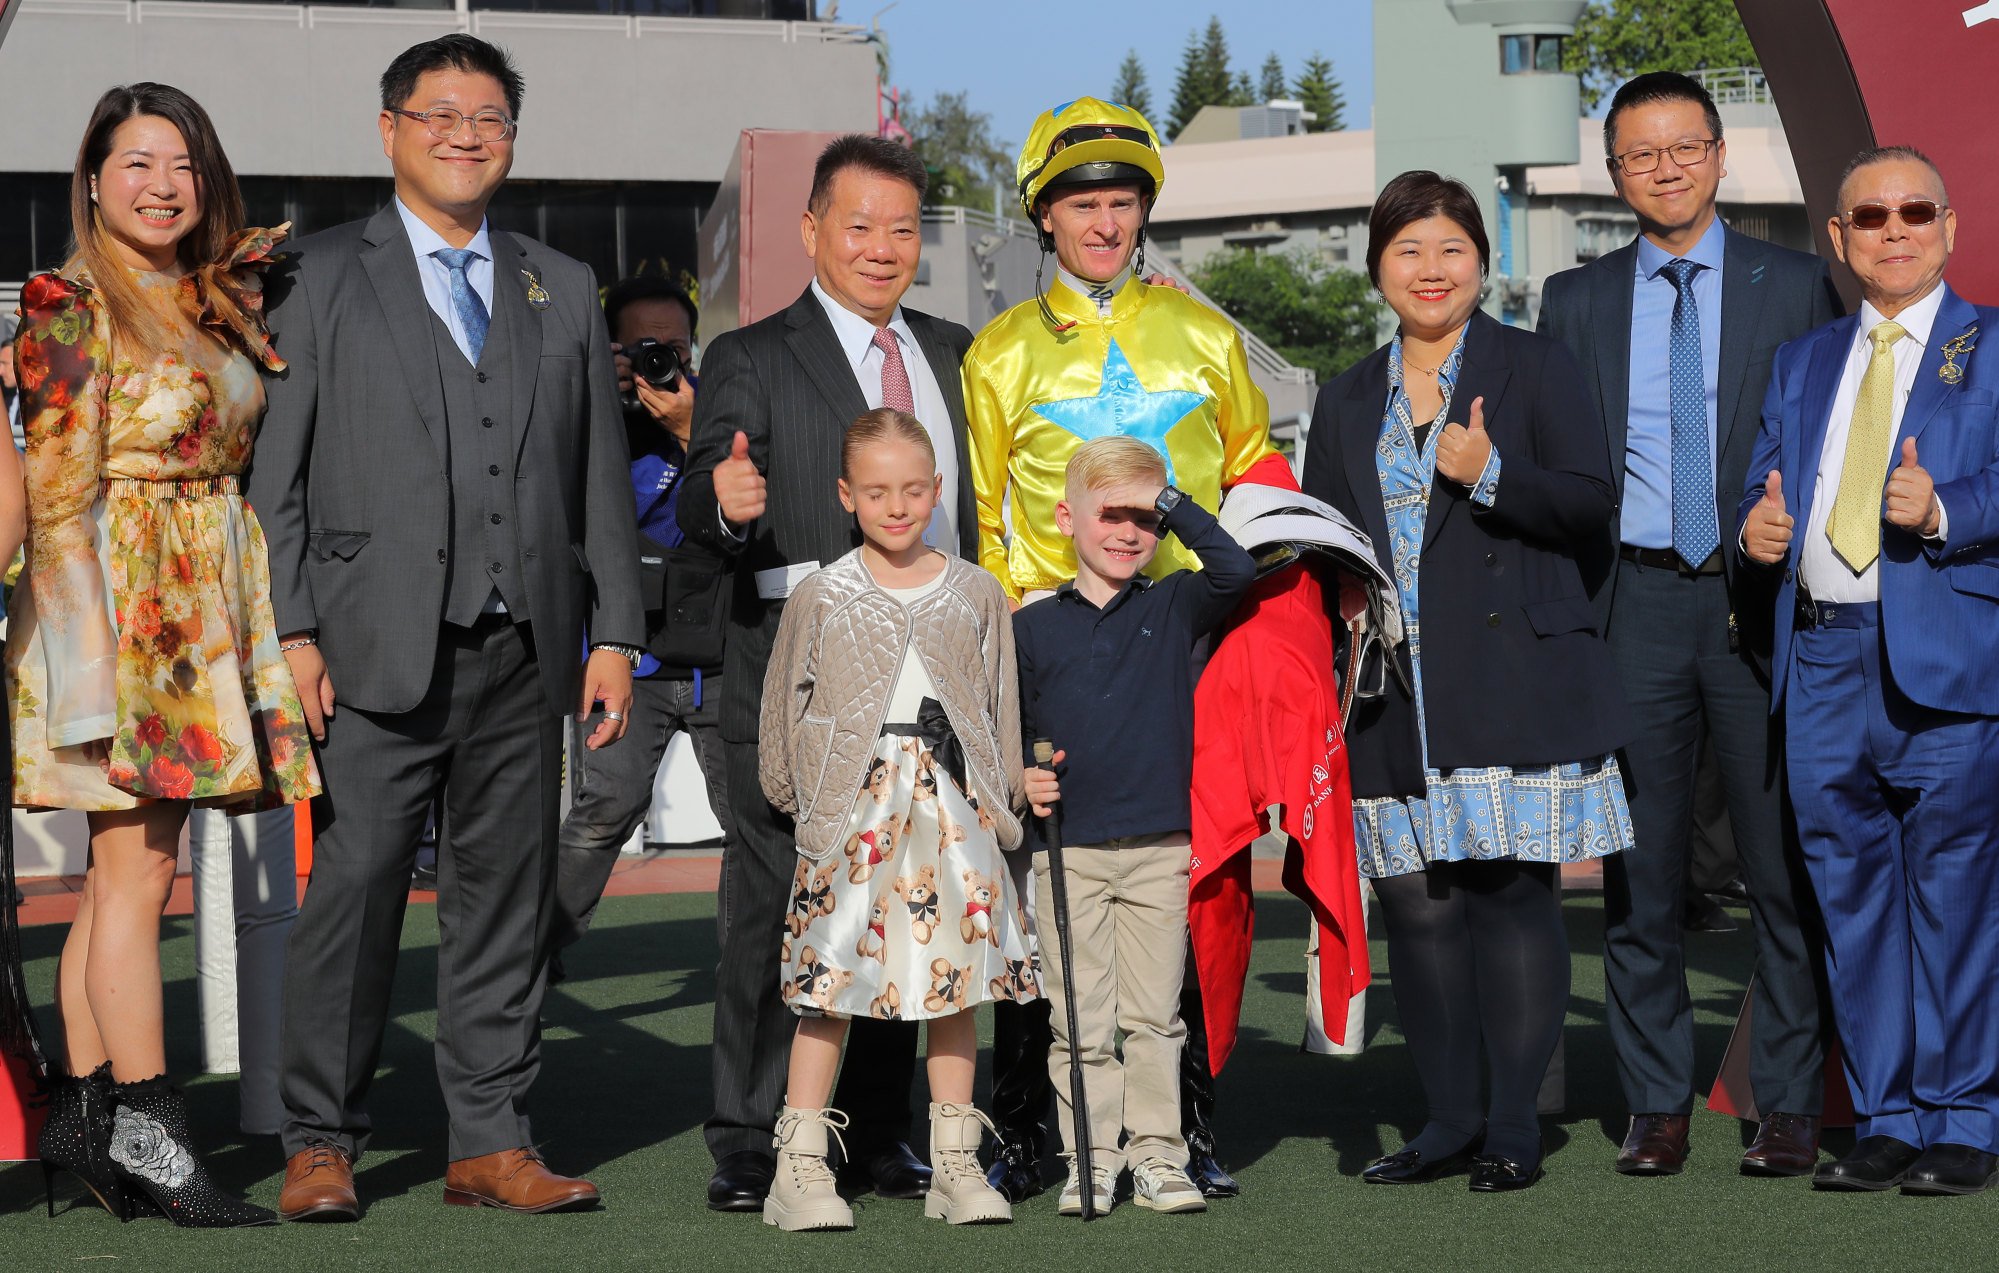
443, 481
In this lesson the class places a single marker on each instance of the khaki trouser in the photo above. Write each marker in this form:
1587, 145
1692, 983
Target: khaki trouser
1128, 928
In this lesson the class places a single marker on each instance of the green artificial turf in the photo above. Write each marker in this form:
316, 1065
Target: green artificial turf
624, 1088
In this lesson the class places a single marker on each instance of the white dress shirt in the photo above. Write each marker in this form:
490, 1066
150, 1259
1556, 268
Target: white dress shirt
857, 340
1825, 575
436, 275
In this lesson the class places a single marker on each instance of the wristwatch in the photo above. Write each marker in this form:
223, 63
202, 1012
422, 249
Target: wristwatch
1169, 499
631, 653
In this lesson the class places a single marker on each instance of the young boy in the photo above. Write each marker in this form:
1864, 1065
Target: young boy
1107, 675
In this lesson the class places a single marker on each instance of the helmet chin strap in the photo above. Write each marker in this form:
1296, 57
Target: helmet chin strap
1041, 293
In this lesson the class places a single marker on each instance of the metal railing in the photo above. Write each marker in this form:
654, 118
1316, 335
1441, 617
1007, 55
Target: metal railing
1735, 85
1261, 356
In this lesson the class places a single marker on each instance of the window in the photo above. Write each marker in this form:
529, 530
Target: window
1530, 54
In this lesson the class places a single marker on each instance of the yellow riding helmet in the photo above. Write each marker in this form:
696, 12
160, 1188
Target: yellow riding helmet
1088, 140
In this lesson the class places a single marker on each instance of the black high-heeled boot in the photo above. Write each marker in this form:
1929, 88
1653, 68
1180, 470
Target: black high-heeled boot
76, 1138
154, 1155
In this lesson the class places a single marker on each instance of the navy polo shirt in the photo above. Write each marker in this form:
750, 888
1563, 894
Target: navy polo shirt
1114, 687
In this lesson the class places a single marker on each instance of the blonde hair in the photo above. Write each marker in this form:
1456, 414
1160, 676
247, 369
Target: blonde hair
1115, 460
884, 424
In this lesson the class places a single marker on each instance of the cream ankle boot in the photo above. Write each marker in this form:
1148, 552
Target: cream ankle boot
958, 1189
803, 1195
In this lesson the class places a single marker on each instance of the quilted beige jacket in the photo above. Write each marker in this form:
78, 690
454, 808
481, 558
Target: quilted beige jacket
839, 648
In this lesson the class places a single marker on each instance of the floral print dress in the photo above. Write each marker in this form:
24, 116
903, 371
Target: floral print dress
144, 628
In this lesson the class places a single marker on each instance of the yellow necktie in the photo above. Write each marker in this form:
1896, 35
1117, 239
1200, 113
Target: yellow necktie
1855, 525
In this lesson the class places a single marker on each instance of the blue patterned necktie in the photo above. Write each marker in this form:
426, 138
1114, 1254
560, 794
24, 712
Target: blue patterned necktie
1696, 524
471, 310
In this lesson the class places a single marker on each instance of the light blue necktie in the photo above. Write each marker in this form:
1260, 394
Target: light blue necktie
1696, 524
471, 310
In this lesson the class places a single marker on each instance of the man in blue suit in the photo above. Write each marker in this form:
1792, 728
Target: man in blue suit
1874, 486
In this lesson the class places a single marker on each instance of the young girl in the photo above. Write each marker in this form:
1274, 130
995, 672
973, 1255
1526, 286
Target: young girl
891, 734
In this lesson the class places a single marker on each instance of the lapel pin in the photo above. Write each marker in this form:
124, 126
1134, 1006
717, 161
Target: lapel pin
537, 294
1950, 373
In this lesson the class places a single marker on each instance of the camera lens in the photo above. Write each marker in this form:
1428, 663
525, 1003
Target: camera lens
656, 364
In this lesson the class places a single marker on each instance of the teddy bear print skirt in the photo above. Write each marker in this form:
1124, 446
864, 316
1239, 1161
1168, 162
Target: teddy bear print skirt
915, 918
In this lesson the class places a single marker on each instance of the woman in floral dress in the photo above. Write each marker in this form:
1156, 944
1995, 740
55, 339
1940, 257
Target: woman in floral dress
146, 674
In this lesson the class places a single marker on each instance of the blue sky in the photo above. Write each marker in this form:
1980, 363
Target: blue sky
1016, 59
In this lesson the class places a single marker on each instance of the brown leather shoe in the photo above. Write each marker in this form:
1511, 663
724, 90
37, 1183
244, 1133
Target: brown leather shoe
319, 1184
1656, 1145
515, 1180
1785, 1145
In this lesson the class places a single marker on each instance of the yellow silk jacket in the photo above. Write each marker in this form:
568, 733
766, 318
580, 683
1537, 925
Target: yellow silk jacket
1163, 368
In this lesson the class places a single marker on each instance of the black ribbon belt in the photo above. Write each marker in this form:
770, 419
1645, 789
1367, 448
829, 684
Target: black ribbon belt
933, 726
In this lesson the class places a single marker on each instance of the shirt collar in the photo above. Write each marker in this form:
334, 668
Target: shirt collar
1139, 583
1917, 320
424, 240
856, 334
1082, 286
1708, 251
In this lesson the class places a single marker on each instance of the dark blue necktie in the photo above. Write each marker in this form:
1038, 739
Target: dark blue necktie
471, 310
1696, 525
1102, 295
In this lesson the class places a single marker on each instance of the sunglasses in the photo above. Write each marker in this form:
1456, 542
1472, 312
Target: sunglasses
1873, 216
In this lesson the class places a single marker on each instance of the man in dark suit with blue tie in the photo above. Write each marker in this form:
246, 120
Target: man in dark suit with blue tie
1875, 488
1675, 334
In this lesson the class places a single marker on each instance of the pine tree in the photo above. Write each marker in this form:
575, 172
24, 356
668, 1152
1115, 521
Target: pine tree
1273, 86
1205, 78
1242, 91
1319, 89
1217, 81
1190, 91
1130, 87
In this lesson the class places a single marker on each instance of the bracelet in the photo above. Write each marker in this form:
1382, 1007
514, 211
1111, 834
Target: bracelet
288, 646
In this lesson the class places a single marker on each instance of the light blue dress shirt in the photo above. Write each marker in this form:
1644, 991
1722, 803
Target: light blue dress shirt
1647, 519
436, 275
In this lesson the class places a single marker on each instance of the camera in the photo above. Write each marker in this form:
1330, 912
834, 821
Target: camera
656, 364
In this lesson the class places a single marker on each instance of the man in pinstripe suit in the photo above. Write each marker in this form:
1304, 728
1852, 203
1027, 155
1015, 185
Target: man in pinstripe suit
761, 485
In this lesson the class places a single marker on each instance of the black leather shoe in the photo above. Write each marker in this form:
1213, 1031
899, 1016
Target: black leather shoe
741, 1181
1209, 1176
1876, 1163
1409, 1167
1493, 1174
1733, 893
1951, 1169
1703, 914
893, 1171
1016, 1170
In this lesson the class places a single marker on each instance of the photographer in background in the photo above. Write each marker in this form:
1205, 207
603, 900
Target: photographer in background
677, 684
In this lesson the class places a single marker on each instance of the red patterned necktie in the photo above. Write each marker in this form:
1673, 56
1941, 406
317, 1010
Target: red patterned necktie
895, 377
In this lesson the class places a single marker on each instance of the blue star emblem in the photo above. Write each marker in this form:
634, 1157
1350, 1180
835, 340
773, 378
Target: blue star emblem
1123, 405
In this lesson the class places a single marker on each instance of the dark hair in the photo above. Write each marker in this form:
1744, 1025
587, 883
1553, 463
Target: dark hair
630, 291
1658, 86
1882, 155
454, 52
202, 248
1412, 197
877, 155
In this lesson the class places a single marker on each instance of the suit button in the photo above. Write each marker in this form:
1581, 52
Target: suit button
1492, 620
440, 556
496, 519
482, 377
487, 422
494, 469
1789, 577
495, 567
1492, 559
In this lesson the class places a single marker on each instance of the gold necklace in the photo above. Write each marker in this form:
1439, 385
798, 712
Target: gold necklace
1428, 371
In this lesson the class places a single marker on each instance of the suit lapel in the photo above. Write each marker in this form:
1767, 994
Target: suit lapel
944, 368
390, 263
1482, 374
1359, 431
1822, 372
1742, 295
1610, 328
521, 344
1955, 317
812, 342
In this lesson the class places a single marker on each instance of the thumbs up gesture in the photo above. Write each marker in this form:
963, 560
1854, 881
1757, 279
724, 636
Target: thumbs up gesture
1767, 534
1462, 450
739, 486
1912, 495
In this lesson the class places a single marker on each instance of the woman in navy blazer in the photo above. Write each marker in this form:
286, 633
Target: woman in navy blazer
1470, 454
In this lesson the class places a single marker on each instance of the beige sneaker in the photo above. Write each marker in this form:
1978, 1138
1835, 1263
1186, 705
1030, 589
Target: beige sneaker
958, 1189
1161, 1186
803, 1196
1071, 1203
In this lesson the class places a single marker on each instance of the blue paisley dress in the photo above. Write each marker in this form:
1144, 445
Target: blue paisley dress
1553, 813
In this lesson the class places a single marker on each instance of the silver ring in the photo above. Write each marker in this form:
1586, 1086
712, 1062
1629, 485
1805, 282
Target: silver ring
614, 716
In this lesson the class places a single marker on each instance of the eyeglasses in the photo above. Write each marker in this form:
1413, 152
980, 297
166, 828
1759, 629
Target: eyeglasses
444, 123
1098, 132
1873, 216
1686, 154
